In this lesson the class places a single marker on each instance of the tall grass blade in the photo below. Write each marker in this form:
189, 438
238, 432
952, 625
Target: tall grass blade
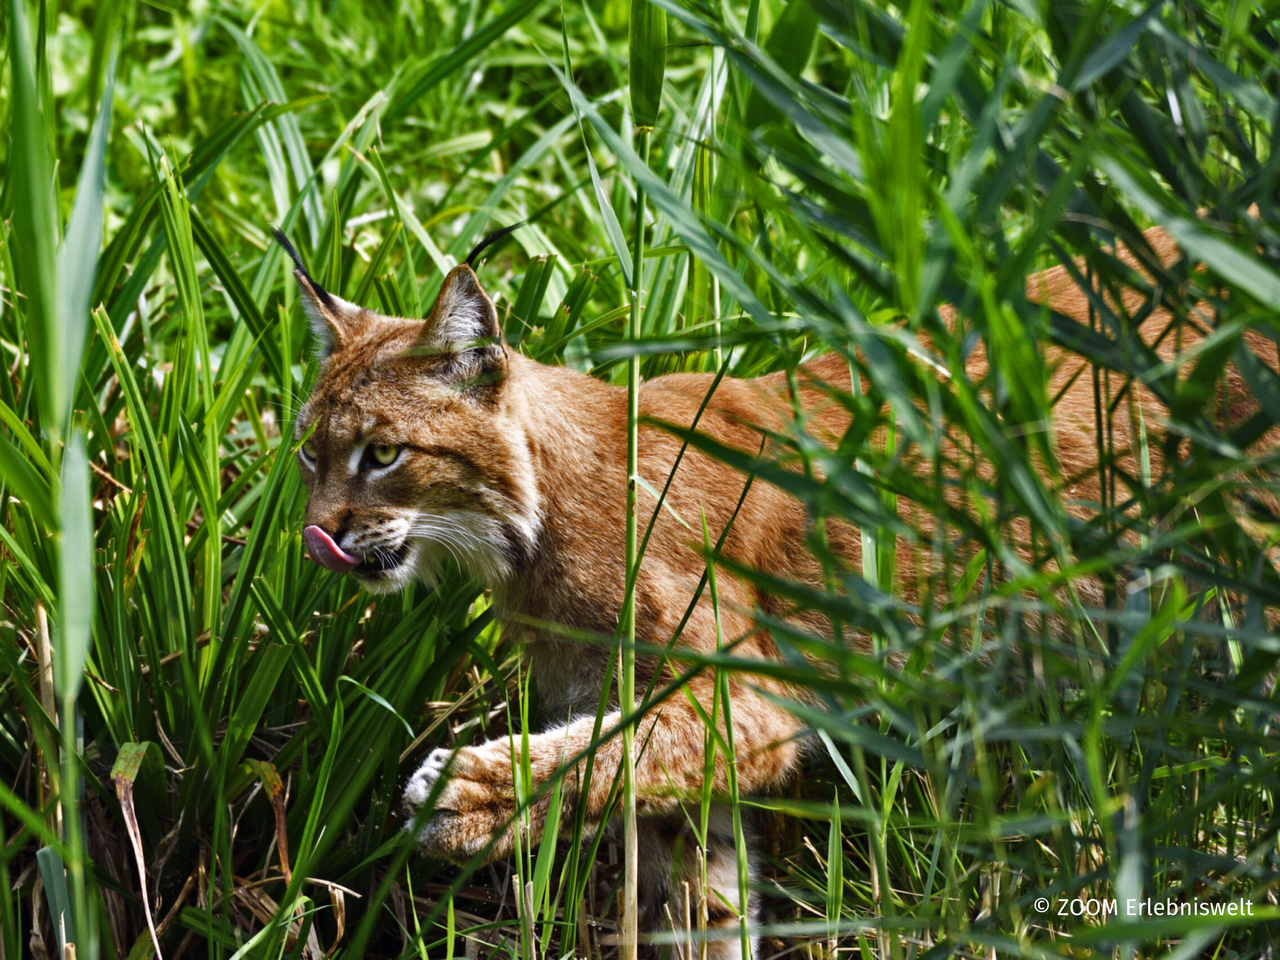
790, 46
35, 219
75, 573
647, 61
612, 227
290, 134
451, 62
78, 256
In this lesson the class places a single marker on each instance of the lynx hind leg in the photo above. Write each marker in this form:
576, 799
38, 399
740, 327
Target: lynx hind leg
673, 895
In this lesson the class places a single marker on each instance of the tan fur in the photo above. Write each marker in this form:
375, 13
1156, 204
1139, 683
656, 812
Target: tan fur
516, 470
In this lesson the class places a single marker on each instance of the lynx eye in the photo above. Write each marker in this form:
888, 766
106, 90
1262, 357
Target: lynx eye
309, 451
383, 454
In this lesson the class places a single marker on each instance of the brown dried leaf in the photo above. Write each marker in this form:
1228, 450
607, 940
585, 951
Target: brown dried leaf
123, 774
270, 777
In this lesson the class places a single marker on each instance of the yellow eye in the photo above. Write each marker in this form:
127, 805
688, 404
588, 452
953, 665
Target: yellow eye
309, 450
384, 454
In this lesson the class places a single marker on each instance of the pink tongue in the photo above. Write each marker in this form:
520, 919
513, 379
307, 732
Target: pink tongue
327, 553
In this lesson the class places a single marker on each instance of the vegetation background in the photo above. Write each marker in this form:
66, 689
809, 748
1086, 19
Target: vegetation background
239, 723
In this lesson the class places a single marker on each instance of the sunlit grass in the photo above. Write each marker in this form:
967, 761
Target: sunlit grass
820, 176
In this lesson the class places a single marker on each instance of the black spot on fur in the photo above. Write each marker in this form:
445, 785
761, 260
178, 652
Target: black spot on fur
520, 550
669, 829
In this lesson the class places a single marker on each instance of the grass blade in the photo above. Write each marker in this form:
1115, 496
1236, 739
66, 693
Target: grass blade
30, 170
647, 60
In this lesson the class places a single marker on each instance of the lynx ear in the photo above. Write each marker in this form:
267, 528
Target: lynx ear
331, 317
463, 324
463, 312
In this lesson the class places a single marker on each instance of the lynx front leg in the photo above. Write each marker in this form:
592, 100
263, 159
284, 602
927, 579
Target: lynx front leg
477, 801
692, 889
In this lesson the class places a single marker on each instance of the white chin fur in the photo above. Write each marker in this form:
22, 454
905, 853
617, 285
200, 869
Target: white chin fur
390, 582
469, 541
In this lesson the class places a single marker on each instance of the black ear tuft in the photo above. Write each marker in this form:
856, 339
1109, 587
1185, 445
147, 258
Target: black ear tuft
297, 262
490, 240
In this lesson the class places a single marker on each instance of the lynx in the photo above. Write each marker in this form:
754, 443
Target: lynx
431, 442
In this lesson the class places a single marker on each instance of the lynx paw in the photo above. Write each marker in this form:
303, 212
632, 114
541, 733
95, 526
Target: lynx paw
474, 803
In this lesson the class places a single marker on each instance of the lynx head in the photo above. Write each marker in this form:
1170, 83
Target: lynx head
415, 452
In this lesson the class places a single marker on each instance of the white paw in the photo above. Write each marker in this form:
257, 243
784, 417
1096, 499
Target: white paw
472, 804
424, 780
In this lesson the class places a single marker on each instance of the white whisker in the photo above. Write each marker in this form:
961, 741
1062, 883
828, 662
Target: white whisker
473, 541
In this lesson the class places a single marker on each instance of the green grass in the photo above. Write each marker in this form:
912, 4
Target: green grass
817, 172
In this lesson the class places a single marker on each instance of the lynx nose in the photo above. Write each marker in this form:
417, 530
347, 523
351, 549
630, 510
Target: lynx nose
326, 552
